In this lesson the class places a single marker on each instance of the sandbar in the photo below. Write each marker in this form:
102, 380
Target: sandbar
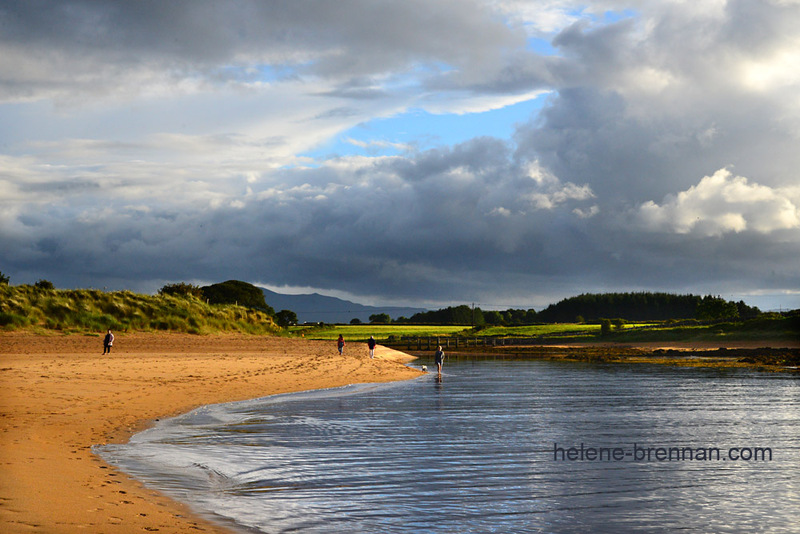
59, 396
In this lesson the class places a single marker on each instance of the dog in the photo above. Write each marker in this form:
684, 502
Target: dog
424, 368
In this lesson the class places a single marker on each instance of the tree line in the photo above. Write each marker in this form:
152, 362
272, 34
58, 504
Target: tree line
644, 306
592, 307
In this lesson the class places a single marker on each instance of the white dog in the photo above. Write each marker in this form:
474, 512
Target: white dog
424, 368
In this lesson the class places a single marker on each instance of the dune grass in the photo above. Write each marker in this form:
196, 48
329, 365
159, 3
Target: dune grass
92, 310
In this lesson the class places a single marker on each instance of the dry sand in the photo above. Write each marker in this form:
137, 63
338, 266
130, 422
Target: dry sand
60, 396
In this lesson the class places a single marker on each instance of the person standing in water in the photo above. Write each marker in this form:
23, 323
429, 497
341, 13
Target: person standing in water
439, 359
371, 344
340, 344
107, 342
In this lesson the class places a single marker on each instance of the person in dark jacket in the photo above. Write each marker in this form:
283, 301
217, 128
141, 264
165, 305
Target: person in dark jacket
371, 344
107, 342
438, 358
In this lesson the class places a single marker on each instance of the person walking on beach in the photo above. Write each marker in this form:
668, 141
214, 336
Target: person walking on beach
438, 358
340, 344
371, 344
107, 342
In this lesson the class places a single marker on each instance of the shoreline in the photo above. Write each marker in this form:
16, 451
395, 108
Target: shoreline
758, 356
61, 397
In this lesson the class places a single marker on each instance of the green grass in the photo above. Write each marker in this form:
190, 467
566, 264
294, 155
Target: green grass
540, 330
766, 328
362, 332
383, 331
91, 310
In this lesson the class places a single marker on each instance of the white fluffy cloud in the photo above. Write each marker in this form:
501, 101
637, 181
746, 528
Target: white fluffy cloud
721, 204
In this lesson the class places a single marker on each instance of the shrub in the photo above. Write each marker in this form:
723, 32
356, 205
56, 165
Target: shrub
13, 320
286, 318
44, 284
380, 318
181, 289
605, 327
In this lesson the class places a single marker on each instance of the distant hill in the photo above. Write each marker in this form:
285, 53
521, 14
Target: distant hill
317, 308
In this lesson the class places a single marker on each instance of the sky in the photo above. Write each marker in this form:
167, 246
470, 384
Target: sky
506, 153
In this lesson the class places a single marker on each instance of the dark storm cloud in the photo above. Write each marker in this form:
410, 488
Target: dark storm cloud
89, 46
468, 222
396, 227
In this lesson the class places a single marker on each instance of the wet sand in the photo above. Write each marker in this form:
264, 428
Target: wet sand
59, 396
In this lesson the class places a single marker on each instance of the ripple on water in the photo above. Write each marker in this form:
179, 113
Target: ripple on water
475, 453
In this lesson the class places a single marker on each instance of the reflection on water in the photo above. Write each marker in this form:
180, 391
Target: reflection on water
475, 453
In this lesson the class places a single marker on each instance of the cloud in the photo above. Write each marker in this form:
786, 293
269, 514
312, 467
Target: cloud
352, 223
720, 204
98, 47
147, 141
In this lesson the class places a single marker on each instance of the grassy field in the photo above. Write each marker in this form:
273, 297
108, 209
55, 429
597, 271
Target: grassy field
769, 327
383, 331
362, 332
772, 329
92, 310
574, 329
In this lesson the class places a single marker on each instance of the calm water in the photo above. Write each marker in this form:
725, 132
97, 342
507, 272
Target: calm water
482, 452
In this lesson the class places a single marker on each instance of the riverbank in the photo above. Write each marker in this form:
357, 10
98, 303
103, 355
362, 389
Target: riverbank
60, 396
781, 357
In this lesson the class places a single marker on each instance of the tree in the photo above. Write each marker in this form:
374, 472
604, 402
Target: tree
380, 318
716, 309
493, 317
181, 289
355, 320
747, 312
286, 318
456, 315
4, 279
237, 292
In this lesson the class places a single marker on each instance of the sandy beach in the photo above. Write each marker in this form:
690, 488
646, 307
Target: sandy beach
60, 397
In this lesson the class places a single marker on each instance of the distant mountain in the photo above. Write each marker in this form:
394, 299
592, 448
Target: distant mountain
317, 308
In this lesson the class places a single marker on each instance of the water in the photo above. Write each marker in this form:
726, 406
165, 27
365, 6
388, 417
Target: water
482, 452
